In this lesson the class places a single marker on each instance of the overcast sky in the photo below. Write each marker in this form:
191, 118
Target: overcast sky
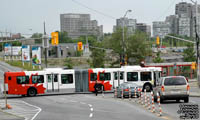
23, 15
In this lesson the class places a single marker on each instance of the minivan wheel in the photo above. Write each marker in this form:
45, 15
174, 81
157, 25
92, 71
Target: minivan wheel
186, 100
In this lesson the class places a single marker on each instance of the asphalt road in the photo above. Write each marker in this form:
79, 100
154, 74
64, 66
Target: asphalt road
84, 107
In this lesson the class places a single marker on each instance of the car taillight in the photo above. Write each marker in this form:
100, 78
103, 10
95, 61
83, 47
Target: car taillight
188, 87
126, 89
162, 88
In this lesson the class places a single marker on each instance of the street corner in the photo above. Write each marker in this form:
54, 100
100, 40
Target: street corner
18, 109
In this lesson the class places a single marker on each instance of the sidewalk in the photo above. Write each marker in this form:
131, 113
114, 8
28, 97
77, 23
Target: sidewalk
194, 89
7, 116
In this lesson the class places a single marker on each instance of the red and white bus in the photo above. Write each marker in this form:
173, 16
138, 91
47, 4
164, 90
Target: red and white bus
57, 79
38, 82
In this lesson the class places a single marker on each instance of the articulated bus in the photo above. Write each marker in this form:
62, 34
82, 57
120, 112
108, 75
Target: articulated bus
57, 79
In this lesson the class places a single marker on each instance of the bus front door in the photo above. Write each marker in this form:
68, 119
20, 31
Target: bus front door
52, 82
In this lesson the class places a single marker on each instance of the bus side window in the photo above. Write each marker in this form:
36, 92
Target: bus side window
22, 79
132, 76
145, 76
121, 75
9, 78
66, 78
105, 76
37, 79
93, 76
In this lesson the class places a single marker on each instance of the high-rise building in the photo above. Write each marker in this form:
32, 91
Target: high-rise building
130, 24
77, 25
144, 28
173, 20
184, 8
161, 28
184, 25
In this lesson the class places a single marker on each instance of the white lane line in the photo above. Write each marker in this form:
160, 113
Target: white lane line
83, 103
91, 114
39, 110
90, 105
91, 109
73, 101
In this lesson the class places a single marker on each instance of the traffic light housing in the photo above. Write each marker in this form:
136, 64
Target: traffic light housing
193, 66
157, 40
54, 38
80, 46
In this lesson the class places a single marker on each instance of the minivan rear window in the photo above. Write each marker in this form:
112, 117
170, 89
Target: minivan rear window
175, 81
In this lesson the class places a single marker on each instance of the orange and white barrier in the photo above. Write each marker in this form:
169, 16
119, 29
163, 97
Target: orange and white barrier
158, 100
139, 93
135, 94
152, 102
148, 101
115, 95
145, 98
129, 93
142, 98
122, 95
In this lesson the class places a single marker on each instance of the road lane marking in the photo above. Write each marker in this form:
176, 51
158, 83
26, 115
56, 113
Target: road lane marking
90, 105
91, 115
91, 109
83, 103
39, 110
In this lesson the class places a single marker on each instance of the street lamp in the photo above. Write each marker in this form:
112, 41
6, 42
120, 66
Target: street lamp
123, 42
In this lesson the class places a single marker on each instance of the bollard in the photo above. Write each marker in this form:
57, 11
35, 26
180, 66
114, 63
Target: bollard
142, 98
122, 95
152, 102
102, 91
148, 99
135, 94
158, 100
145, 98
129, 92
115, 94
139, 93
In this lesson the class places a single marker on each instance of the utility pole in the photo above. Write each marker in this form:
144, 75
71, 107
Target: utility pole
45, 40
123, 41
197, 39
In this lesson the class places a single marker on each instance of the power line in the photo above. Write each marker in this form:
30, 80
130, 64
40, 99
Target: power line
167, 9
106, 15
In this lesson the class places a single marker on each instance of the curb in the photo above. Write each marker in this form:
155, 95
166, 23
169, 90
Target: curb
11, 114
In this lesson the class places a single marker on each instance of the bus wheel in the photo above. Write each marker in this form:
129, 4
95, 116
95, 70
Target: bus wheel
147, 87
32, 92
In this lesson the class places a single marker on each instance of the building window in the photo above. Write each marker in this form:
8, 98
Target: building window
66, 78
22, 79
37, 79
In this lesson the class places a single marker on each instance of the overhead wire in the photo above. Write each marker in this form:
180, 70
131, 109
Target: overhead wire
106, 15
167, 9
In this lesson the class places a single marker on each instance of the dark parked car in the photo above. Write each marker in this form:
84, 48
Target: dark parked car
125, 87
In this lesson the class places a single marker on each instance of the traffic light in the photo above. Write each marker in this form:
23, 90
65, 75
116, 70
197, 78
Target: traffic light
54, 38
80, 46
157, 40
193, 66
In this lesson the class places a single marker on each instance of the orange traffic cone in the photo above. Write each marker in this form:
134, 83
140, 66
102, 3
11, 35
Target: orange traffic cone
8, 106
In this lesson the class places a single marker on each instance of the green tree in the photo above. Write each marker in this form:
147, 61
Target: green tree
135, 45
64, 38
37, 35
97, 56
189, 54
158, 59
68, 63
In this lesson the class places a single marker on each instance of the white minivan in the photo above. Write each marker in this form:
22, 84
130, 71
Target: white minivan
172, 88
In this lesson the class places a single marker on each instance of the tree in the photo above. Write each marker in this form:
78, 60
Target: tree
135, 45
189, 54
37, 35
64, 38
158, 59
97, 56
